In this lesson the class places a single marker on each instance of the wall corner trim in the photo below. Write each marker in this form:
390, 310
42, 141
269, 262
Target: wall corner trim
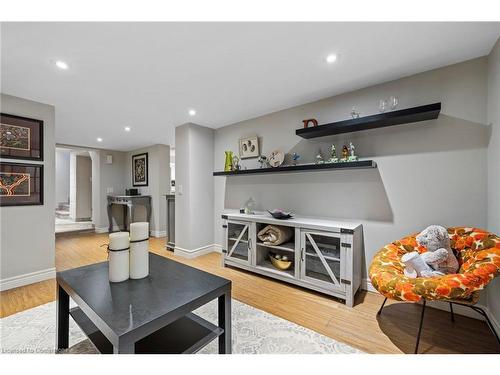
28, 278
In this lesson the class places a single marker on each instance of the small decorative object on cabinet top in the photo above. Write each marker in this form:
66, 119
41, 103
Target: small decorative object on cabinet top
276, 158
249, 147
263, 161
333, 155
249, 206
295, 158
319, 158
352, 155
354, 113
311, 120
236, 163
228, 164
280, 214
345, 153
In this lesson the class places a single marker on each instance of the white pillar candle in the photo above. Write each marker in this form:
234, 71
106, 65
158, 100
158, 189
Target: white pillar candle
139, 251
119, 260
139, 231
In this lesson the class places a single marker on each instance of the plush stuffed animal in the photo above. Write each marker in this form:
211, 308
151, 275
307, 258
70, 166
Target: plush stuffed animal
437, 260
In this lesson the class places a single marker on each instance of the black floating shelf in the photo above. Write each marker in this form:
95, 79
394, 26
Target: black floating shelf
403, 116
362, 164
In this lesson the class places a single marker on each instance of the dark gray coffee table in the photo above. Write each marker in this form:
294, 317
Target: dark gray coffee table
151, 315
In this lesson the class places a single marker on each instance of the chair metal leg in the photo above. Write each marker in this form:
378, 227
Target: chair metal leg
381, 307
420, 327
488, 321
452, 313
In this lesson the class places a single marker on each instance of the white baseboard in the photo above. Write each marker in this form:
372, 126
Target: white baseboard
441, 305
197, 252
158, 233
105, 229
28, 278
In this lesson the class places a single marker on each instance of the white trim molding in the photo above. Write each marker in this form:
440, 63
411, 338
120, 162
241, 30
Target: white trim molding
197, 252
28, 278
116, 228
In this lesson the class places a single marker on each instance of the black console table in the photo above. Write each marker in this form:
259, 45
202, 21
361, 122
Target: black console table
129, 202
150, 315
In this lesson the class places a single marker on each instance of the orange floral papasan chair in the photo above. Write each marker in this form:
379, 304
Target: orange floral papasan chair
478, 254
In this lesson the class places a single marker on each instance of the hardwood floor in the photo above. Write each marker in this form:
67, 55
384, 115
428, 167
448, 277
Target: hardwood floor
392, 332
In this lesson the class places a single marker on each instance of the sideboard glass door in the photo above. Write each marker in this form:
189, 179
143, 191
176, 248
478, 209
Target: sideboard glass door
238, 241
321, 259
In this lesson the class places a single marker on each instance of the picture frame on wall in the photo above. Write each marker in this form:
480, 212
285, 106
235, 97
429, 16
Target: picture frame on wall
249, 147
21, 184
21, 137
140, 169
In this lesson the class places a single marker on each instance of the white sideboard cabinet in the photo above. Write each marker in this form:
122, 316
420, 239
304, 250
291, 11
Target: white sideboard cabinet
325, 254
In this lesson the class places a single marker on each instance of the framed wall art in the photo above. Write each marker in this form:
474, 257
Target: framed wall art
140, 169
21, 184
249, 147
21, 137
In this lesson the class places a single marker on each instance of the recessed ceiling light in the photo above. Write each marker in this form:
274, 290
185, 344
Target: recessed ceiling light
99, 139
62, 65
331, 58
192, 112
127, 128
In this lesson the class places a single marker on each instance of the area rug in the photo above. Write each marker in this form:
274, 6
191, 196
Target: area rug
254, 332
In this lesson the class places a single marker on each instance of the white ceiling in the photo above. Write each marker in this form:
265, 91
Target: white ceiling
148, 75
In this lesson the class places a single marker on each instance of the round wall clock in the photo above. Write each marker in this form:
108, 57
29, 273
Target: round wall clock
275, 159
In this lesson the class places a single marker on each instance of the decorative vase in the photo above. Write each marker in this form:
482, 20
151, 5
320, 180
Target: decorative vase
228, 165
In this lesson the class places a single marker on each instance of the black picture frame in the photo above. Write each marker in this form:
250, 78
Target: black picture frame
138, 161
35, 184
33, 149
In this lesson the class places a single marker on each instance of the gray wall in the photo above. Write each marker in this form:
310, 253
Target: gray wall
494, 166
432, 172
112, 180
83, 187
194, 207
158, 185
27, 233
80, 186
62, 176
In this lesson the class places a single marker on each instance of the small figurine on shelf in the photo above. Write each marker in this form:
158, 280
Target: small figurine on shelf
295, 158
236, 163
355, 114
333, 155
352, 155
345, 153
319, 158
263, 161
